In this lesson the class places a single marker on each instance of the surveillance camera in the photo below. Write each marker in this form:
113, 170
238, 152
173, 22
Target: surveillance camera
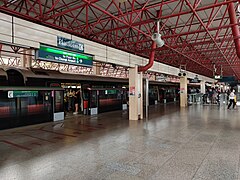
157, 38
179, 74
184, 74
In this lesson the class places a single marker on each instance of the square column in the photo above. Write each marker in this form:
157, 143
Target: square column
26, 58
96, 69
29, 59
23, 59
183, 91
203, 89
135, 94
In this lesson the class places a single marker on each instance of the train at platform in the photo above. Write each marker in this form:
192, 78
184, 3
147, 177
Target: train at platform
32, 96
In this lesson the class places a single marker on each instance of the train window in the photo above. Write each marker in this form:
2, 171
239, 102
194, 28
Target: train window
7, 106
58, 101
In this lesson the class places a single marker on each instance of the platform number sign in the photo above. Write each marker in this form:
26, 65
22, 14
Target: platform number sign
10, 94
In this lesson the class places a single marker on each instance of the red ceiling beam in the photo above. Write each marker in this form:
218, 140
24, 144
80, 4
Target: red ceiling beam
163, 16
129, 23
210, 35
235, 27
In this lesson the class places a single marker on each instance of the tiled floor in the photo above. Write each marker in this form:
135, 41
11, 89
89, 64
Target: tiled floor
199, 142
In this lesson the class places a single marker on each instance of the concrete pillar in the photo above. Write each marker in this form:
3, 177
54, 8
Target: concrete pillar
26, 58
202, 86
29, 58
183, 91
96, 69
135, 94
23, 59
140, 94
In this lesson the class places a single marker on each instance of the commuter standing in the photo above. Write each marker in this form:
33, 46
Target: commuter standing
218, 97
77, 101
231, 99
70, 95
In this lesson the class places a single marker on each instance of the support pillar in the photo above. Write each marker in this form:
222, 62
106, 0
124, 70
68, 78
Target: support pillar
26, 59
96, 69
183, 91
202, 86
135, 94
29, 59
23, 59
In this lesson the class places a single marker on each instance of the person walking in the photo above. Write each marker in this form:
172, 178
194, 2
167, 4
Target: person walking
231, 99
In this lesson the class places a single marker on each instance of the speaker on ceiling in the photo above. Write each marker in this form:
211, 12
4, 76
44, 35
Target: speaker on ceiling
182, 74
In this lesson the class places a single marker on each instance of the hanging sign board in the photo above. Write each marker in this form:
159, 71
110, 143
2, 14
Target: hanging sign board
194, 80
161, 78
70, 44
217, 77
14, 94
49, 53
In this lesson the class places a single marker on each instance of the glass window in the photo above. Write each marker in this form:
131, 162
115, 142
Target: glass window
58, 98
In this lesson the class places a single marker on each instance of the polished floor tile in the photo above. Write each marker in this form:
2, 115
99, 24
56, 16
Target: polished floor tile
195, 143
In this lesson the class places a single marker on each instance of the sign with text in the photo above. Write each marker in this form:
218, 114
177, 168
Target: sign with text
217, 77
195, 80
14, 94
48, 53
70, 44
161, 78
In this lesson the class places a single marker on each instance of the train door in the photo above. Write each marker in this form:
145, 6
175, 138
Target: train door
93, 102
58, 105
34, 109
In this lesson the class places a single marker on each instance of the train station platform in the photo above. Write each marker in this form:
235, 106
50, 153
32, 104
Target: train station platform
198, 142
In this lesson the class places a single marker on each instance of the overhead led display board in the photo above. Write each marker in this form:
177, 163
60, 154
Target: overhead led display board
53, 54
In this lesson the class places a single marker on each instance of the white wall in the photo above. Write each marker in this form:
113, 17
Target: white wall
31, 34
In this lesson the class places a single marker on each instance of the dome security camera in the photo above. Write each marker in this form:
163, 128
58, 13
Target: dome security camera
157, 38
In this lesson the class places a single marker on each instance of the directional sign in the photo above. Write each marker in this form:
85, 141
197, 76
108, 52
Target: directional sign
14, 94
217, 77
49, 53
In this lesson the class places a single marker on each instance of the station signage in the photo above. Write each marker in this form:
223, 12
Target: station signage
110, 91
161, 78
217, 77
195, 80
167, 78
70, 44
53, 54
16, 94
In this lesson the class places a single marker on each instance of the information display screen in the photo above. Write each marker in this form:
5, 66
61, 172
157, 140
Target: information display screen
48, 53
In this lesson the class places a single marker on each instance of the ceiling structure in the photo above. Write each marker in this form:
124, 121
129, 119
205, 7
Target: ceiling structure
12, 56
197, 33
